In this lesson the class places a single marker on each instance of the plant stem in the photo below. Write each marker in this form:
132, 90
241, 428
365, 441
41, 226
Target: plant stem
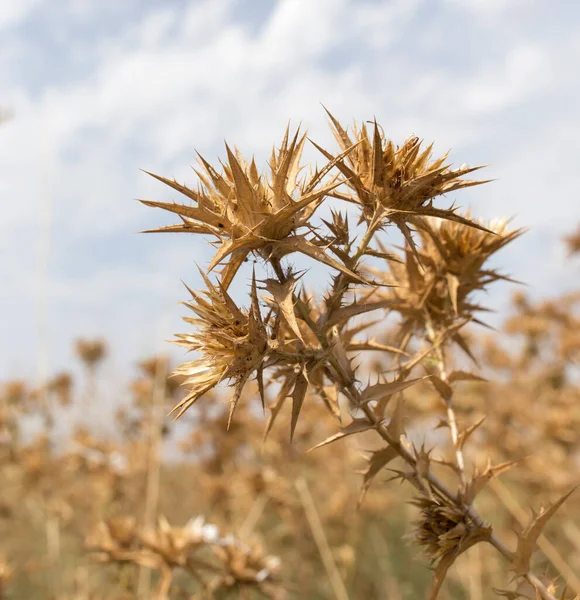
154, 464
448, 398
320, 539
347, 385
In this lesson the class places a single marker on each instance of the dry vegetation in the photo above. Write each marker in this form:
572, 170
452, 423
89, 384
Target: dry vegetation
390, 410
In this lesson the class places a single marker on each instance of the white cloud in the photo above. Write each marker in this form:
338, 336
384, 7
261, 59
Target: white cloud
524, 71
490, 9
11, 13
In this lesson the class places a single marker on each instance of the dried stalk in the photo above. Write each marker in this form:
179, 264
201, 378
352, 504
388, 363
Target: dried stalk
350, 389
317, 529
447, 397
154, 468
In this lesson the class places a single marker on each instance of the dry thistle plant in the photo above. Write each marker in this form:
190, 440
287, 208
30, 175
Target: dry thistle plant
91, 352
61, 385
299, 346
217, 563
573, 242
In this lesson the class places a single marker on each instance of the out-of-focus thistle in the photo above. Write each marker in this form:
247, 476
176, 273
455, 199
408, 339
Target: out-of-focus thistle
91, 352
14, 393
61, 385
248, 212
573, 242
217, 562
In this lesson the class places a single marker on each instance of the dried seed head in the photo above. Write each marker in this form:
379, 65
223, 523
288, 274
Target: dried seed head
573, 242
398, 183
61, 385
14, 392
245, 564
171, 543
444, 528
440, 278
91, 352
232, 342
247, 211
123, 530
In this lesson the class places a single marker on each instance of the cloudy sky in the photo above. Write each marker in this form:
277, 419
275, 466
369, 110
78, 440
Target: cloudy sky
99, 90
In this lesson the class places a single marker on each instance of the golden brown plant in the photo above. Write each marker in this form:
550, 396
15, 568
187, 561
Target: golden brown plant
573, 242
91, 352
232, 343
306, 346
248, 212
216, 562
61, 385
396, 184
434, 286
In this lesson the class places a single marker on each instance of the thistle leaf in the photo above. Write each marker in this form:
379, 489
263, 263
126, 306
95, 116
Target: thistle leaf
450, 557
453, 286
236, 397
466, 433
377, 460
275, 409
528, 538
379, 390
442, 387
481, 478
464, 376
298, 394
283, 297
347, 312
443, 566
182, 189
356, 426
396, 427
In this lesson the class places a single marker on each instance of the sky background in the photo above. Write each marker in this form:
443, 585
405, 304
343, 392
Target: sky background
99, 90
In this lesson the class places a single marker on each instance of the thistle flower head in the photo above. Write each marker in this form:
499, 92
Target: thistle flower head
247, 211
61, 384
440, 528
441, 276
232, 343
91, 352
573, 242
464, 249
445, 530
398, 183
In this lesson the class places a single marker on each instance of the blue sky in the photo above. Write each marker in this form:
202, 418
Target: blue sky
99, 90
